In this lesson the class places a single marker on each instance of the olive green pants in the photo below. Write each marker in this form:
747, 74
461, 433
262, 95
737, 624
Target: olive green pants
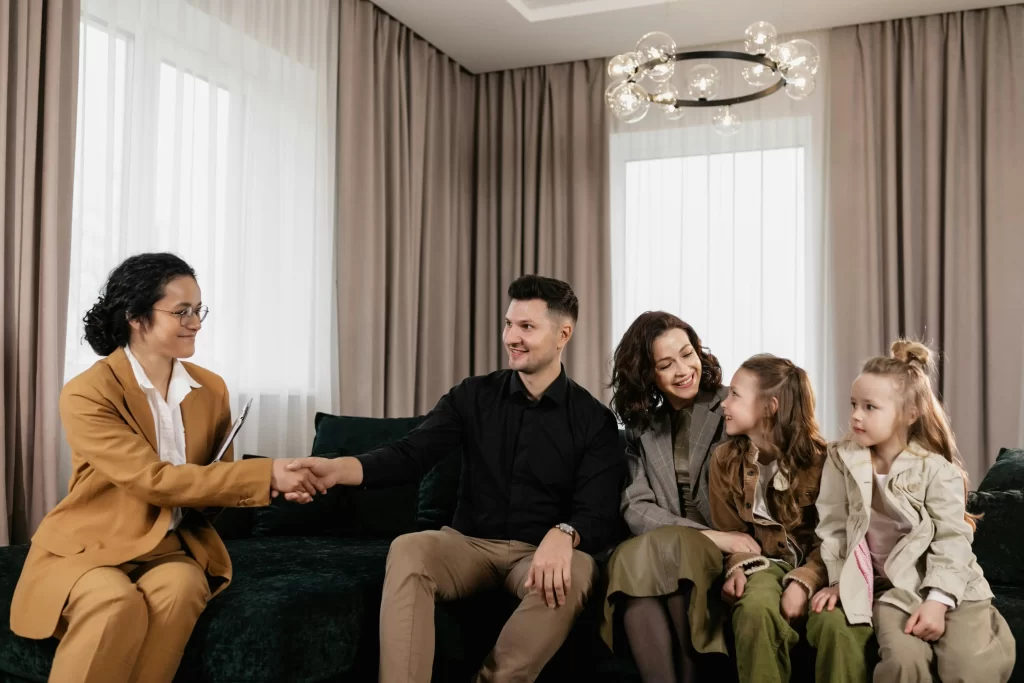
764, 638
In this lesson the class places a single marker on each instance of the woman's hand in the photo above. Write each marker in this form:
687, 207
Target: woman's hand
298, 485
730, 542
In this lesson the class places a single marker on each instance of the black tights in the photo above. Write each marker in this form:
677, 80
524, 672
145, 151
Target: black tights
658, 630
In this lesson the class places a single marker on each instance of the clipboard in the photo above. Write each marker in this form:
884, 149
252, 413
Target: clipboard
231, 434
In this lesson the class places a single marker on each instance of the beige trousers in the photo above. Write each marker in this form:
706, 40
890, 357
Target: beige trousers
131, 623
431, 566
976, 647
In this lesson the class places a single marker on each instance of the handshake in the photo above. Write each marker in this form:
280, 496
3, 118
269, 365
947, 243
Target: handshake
299, 479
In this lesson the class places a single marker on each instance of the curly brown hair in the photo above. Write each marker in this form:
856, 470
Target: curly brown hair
635, 396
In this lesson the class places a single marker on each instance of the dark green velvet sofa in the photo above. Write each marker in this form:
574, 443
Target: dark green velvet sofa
304, 603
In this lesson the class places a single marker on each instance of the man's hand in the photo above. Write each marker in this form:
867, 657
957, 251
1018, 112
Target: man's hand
734, 584
826, 598
730, 542
551, 569
928, 622
794, 601
298, 484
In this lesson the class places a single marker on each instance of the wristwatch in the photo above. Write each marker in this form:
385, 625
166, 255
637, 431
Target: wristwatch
566, 529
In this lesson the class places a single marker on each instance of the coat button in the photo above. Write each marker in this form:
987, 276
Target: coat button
855, 507
750, 473
912, 488
782, 544
748, 506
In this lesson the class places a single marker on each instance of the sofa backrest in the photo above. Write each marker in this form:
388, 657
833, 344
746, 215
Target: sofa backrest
1000, 501
356, 512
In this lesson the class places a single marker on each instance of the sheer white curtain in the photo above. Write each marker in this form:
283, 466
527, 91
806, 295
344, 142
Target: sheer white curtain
729, 233
206, 128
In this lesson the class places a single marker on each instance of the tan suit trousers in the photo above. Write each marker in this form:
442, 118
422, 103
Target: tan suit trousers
131, 622
431, 566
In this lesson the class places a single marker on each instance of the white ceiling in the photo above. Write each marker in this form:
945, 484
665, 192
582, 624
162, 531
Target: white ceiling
491, 35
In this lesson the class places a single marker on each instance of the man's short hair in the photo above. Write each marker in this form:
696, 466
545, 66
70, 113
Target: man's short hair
556, 294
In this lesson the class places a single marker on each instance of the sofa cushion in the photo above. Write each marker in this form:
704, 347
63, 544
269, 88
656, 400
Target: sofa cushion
1009, 600
1007, 473
28, 659
297, 610
994, 542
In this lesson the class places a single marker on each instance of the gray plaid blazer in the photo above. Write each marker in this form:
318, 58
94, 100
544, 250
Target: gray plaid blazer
651, 497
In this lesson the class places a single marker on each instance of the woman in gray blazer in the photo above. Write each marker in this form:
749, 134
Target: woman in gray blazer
667, 392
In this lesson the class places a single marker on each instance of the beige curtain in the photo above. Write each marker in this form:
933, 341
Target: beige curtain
38, 84
448, 187
927, 208
404, 200
542, 205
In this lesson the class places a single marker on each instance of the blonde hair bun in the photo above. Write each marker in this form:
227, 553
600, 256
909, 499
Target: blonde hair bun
907, 351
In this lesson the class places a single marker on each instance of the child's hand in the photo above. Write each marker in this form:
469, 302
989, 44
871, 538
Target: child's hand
794, 601
826, 598
733, 588
928, 622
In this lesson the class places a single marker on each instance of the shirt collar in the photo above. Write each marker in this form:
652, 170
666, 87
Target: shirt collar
181, 382
556, 392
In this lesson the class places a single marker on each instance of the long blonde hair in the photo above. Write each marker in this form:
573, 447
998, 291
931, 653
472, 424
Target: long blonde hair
791, 431
910, 366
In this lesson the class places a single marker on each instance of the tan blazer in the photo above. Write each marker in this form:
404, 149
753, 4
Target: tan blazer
936, 553
121, 494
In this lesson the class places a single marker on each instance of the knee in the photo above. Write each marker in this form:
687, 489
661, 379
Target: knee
963, 668
905, 660
183, 590
753, 618
826, 625
118, 604
410, 553
583, 573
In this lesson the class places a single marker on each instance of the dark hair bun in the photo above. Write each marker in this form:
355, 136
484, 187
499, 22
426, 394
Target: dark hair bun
100, 330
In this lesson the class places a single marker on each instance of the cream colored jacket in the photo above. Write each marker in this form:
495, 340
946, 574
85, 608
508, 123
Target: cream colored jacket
936, 553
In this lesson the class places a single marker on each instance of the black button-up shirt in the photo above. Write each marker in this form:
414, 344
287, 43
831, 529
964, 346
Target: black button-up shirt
526, 465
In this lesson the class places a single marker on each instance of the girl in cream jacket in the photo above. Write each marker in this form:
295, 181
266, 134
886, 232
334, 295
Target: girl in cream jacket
896, 538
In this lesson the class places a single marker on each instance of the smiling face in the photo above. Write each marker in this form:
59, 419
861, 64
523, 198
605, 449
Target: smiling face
165, 335
677, 367
533, 336
743, 408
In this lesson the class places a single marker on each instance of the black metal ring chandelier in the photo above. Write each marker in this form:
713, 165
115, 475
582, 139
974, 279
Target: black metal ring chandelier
770, 66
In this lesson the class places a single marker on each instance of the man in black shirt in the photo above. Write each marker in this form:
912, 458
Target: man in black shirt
541, 478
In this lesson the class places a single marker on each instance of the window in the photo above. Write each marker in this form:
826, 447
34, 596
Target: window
728, 234
718, 239
208, 132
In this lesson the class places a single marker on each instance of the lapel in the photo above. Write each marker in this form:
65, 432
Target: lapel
703, 427
858, 464
657, 442
134, 397
194, 416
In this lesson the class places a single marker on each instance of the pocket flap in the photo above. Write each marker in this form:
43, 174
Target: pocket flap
56, 542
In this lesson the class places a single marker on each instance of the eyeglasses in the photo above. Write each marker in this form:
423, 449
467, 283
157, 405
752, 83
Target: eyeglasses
185, 316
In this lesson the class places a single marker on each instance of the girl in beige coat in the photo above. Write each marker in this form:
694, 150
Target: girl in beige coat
896, 539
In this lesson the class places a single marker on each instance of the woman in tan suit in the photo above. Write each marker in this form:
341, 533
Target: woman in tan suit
122, 568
